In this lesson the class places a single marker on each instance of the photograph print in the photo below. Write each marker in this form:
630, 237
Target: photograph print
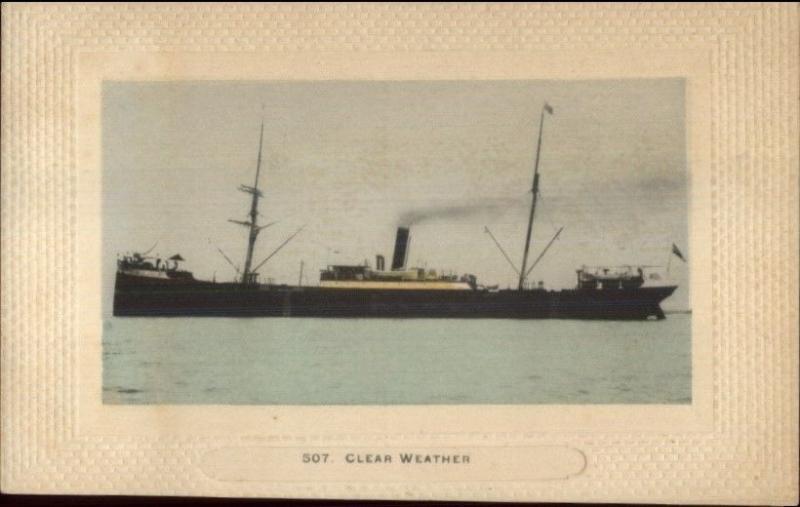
396, 242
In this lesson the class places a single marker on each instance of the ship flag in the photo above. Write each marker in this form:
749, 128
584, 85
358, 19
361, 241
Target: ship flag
678, 253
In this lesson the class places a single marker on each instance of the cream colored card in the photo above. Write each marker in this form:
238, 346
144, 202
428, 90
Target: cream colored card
124, 125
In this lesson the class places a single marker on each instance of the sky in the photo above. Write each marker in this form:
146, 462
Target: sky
352, 160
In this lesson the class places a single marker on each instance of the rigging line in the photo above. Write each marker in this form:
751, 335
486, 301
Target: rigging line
151, 248
510, 262
543, 252
278, 249
226, 257
262, 227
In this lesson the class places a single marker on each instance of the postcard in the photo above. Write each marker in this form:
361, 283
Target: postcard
439, 251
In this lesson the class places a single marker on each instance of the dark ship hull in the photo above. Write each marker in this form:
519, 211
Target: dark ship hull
140, 296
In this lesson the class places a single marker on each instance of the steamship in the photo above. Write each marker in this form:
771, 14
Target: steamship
150, 287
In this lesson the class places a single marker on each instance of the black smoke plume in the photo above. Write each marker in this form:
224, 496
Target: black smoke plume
487, 209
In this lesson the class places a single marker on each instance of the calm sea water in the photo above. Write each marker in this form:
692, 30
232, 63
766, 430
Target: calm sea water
344, 362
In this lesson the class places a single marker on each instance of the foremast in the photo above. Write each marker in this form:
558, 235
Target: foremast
535, 193
250, 276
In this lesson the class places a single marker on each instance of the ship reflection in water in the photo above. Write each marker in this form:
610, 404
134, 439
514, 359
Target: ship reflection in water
146, 287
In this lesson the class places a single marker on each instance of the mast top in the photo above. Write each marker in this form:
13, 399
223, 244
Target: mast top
258, 163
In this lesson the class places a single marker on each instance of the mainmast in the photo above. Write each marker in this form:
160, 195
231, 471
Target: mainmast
249, 276
535, 192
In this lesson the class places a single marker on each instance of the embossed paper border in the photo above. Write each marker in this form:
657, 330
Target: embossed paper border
747, 455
